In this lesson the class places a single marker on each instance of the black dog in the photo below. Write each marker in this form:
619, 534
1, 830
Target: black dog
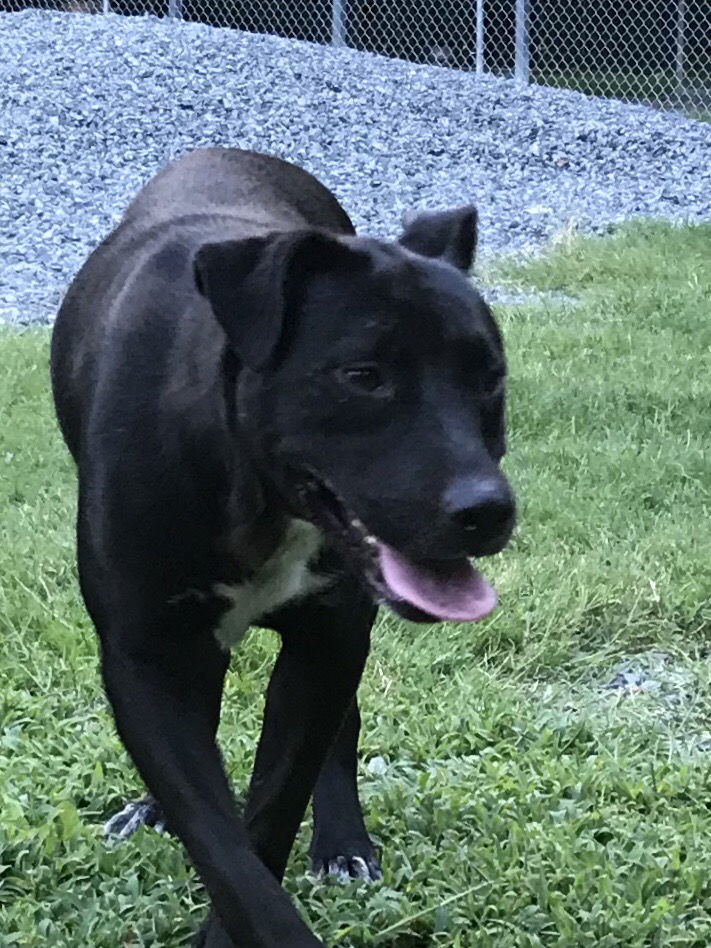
274, 422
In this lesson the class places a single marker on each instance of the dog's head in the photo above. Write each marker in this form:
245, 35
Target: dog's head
372, 388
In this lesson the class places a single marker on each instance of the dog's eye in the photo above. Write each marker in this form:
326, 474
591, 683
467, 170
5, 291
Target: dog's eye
365, 378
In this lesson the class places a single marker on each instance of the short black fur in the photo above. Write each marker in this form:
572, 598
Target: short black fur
236, 373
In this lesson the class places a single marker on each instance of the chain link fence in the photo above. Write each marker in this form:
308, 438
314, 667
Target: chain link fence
656, 51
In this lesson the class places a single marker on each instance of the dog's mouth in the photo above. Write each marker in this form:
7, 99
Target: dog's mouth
433, 590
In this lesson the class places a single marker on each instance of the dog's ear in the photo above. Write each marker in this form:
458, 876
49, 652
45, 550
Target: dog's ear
445, 235
250, 283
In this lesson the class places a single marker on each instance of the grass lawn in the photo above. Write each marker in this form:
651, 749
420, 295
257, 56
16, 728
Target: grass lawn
543, 778
659, 89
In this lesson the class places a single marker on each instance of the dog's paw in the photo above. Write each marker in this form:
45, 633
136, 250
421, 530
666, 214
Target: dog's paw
352, 863
134, 815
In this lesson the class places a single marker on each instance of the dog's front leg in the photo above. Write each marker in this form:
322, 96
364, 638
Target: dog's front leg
340, 845
324, 648
164, 692
311, 691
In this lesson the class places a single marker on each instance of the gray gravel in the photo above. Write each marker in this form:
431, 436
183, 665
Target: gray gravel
90, 107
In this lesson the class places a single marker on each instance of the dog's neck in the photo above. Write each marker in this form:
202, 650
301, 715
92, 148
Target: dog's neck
258, 522
250, 542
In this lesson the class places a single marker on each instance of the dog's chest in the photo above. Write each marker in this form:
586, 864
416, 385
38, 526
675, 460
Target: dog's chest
285, 576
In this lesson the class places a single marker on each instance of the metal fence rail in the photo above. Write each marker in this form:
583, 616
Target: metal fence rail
657, 51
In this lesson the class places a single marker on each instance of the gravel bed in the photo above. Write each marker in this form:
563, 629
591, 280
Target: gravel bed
91, 106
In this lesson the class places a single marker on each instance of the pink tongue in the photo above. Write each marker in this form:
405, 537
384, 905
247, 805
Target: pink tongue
453, 591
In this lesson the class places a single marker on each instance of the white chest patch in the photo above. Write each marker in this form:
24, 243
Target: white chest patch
285, 576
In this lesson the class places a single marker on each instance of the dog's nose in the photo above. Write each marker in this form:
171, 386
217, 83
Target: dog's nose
483, 507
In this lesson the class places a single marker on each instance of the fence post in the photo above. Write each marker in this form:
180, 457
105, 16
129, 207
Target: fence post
479, 65
175, 9
105, 6
680, 58
522, 66
338, 22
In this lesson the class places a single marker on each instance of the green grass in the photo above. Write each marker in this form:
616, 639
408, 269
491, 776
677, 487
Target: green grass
615, 83
659, 89
524, 803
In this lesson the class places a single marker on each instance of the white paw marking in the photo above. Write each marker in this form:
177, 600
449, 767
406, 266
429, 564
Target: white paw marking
359, 867
125, 823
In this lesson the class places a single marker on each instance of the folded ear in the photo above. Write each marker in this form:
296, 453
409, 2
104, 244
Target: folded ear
444, 235
250, 284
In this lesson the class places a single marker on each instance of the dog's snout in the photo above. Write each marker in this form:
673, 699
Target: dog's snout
483, 507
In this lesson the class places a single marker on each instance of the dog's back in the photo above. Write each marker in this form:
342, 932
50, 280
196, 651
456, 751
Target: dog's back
208, 195
259, 189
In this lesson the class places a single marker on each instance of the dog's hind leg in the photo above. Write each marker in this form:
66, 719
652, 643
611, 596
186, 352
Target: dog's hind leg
340, 845
131, 817
143, 812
